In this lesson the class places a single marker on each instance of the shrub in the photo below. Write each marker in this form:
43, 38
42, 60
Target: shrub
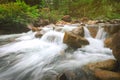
17, 12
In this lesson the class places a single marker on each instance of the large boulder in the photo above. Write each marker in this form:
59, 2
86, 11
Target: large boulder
74, 41
116, 45
105, 70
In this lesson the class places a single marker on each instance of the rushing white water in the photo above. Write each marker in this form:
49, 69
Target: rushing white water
30, 58
87, 33
101, 33
67, 28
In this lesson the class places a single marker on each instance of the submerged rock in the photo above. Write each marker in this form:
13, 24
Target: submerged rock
38, 35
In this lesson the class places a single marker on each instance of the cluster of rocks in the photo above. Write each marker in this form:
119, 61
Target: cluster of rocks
109, 69
104, 70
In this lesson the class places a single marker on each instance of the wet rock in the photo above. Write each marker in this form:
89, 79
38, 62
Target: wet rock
66, 18
34, 29
93, 31
76, 74
105, 65
74, 41
105, 70
116, 45
107, 75
108, 42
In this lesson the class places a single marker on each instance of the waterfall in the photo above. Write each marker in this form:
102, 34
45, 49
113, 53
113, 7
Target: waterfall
53, 36
68, 28
101, 34
86, 32
30, 58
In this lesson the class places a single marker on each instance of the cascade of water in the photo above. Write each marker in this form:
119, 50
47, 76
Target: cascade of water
45, 58
86, 32
27, 36
53, 36
4, 39
101, 34
68, 28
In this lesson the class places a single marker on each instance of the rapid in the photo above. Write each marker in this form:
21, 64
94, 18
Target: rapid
24, 57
